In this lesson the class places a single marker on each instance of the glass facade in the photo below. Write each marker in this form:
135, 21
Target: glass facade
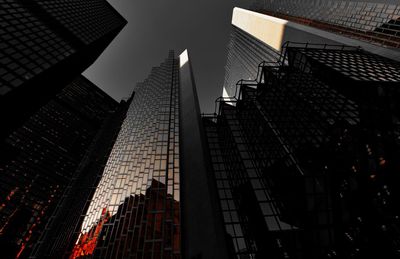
39, 159
244, 54
135, 209
305, 162
377, 22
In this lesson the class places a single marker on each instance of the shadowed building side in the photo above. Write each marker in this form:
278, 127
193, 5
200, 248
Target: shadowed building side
202, 232
61, 229
45, 46
40, 157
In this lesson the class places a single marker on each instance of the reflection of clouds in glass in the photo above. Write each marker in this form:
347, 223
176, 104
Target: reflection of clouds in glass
145, 155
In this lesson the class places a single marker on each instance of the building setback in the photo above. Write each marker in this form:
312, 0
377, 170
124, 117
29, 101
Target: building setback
306, 162
305, 155
44, 46
258, 35
39, 158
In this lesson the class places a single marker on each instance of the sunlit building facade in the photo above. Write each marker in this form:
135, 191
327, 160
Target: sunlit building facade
142, 176
141, 205
39, 159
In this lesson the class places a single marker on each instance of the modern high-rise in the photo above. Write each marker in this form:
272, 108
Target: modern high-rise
152, 199
39, 159
305, 148
44, 45
258, 35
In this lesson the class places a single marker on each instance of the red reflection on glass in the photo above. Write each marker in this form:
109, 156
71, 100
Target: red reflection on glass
87, 242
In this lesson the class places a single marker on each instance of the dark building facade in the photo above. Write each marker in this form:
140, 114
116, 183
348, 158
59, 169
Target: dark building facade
305, 162
59, 230
139, 204
39, 159
44, 45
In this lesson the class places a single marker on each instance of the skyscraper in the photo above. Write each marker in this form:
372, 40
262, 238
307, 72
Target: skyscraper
153, 198
44, 46
39, 158
304, 149
259, 35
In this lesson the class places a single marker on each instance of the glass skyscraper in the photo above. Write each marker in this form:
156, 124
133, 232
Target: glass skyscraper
258, 35
139, 206
137, 199
304, 147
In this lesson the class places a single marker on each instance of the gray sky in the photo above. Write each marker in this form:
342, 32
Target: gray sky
154, 27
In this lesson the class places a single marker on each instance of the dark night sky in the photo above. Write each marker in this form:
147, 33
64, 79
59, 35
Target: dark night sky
154, 27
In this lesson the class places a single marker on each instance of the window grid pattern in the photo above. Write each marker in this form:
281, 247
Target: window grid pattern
88, 20
244, 54
234, 225
27, 46
135, 209
357, 65
319, 156
242, 189
375, 22
291, 119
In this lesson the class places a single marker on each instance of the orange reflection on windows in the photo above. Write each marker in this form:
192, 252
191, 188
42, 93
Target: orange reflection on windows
87, 241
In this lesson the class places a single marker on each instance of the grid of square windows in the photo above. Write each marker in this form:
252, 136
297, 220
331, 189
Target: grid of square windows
28, 46
89, 19
357, 65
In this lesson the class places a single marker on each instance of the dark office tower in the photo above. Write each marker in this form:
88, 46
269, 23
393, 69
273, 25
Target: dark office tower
44, 45
153, 197
306, 162
258, 36
39, 158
